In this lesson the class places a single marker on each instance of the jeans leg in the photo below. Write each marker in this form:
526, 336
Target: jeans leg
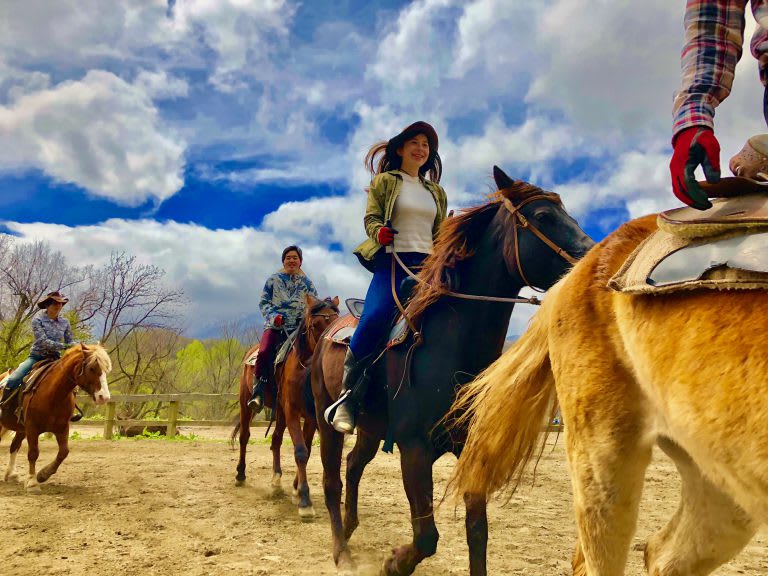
267, 349
15, 379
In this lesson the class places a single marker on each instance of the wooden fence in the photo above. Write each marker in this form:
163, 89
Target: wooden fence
174, 401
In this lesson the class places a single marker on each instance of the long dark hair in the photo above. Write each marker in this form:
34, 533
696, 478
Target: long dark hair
383, 157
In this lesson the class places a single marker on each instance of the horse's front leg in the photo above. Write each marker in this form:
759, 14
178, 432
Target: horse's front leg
62, 439
416, 458
10, 472
33, 452
364, 451
477, 533
301, 454
276, 443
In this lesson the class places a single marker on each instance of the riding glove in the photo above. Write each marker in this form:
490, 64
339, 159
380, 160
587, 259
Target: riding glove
694, 146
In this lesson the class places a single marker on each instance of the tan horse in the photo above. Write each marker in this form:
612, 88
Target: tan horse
686, 370
49, 407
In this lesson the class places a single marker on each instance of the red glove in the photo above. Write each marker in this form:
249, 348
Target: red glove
386, 235
693, 146
278, 320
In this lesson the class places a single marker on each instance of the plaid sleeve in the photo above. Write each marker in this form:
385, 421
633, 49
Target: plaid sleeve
714, 33
759, 43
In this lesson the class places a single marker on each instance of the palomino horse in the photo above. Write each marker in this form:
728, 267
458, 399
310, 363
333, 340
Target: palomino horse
493, 253
48, 408
686, 370
293, 402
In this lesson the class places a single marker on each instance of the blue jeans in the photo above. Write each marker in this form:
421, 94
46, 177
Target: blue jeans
15, 379
379, 310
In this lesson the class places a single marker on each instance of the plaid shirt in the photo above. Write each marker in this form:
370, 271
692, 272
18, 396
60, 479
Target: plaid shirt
714, 34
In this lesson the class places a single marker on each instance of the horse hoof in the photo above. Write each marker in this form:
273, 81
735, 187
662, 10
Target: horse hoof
34, 489
11, 477
239, 483
277, 480
307, 513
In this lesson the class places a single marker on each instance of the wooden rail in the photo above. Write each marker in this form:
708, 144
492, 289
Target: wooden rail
172, 422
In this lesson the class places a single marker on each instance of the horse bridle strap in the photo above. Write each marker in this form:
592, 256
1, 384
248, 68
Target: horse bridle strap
525, 223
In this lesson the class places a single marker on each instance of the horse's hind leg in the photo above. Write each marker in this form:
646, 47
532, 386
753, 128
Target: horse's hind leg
62, 439
245, 436
364, 451
275, 445
707, 530
608, 452
10, 472
33, 453
416, 460
301, 455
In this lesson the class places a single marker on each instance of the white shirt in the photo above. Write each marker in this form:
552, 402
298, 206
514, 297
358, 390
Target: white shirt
413, 217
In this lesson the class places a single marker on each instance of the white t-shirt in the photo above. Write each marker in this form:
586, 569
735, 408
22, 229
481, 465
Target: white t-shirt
413, 217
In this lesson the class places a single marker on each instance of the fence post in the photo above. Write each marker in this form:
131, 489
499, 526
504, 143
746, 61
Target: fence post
110, 421
173, 412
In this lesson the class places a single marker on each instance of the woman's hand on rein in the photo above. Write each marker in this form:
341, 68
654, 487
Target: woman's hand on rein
386, 235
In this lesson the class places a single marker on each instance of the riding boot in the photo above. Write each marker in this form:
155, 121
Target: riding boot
256, 402
343, 413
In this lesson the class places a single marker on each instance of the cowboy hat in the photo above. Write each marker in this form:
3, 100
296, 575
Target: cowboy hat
419, 127
52, 297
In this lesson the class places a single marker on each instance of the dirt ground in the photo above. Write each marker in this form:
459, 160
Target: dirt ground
156, 507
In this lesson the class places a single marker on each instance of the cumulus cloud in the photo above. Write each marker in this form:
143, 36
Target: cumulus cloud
98, 132
222, 272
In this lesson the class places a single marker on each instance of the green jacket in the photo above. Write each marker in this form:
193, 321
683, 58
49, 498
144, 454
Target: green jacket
384, 190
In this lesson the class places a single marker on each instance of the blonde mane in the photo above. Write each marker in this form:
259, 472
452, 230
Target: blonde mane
93, 354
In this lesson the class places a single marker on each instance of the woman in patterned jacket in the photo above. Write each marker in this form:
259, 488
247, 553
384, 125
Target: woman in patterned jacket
282, 304
53, 334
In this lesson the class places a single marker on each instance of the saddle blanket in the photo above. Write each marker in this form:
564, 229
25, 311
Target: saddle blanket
666, 262
341, 330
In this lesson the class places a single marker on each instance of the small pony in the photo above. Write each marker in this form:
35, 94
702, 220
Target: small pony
685, 370
49, 405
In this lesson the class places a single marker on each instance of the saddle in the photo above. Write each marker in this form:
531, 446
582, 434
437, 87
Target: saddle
722, 248
29, 385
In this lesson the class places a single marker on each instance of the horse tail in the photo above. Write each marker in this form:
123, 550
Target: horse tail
235, 433
503, 410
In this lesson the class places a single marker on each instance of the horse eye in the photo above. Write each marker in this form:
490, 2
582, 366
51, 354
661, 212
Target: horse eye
542, 215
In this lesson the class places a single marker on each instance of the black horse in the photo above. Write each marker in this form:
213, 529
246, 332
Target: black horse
492, 251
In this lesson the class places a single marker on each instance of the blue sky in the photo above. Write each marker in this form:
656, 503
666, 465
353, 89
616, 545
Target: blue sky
203, 136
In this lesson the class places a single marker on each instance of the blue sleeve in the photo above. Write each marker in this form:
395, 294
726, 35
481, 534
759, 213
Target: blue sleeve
265, 304
311, 288
68, 339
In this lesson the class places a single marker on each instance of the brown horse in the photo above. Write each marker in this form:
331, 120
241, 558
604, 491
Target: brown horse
49, 405
485, 249
292, 403
686, 370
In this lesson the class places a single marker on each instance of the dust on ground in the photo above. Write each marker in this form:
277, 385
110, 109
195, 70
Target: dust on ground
157, 507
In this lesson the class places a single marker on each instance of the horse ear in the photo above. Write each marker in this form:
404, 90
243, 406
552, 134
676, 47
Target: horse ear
502, 180
310, 299
336, 301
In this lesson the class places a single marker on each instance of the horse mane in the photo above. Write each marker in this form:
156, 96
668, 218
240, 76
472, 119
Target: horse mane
456, 241
301, 339
93, 354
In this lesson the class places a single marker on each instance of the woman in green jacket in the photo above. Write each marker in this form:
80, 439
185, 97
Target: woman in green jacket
404, 199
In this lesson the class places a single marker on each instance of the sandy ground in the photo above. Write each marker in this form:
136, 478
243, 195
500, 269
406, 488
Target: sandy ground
155, 507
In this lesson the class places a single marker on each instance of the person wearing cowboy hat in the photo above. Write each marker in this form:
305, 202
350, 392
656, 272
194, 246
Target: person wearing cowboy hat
404, 199
282, 305
52, 333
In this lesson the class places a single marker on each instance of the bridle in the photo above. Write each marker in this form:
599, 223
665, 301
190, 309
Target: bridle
310, 334
518, 221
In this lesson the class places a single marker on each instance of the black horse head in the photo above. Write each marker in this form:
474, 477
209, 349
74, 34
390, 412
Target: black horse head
532, 257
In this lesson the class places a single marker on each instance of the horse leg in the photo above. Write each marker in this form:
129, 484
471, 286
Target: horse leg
10, 472
33, 452
301, 455
62, 439
364, 451
245, 435
416, 460
607, 457
276, 443
477, 533
707, 530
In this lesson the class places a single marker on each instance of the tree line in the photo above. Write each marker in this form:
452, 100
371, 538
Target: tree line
129, 308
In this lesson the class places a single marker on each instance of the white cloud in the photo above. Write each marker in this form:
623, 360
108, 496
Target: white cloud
222, 272
100, 133
159, 85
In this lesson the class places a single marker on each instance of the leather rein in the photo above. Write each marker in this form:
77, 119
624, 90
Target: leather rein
518, 221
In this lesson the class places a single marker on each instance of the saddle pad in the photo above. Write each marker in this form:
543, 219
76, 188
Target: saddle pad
744, 213
251, 360
38, 372
341, 331
665, 263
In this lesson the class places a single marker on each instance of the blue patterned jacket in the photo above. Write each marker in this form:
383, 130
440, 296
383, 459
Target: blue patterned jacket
51, 336
285, 294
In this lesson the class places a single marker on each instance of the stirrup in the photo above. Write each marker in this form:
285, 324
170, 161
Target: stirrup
330, 412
